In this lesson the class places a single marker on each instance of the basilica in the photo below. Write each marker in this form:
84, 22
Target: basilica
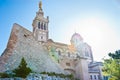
44, 54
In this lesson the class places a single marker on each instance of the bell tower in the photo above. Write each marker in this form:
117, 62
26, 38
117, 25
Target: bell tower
40, 25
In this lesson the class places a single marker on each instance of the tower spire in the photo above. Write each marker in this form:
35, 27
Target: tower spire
40, 25
40, 5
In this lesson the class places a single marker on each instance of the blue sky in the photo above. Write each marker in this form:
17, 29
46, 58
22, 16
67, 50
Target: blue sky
97, 21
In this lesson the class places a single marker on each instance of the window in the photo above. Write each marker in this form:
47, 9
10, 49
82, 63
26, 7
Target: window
98, 76
41, 37
90, 76
86, 52
68, 54
68, 64
44, 27
94, 76
25, 35
38, 25
59, 52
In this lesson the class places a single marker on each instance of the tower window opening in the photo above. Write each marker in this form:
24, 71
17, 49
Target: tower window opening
38, 25
41, 37
42, 26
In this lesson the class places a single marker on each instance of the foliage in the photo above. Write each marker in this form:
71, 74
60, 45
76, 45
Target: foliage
77, 79
112, 66
113, 78
70, 76
115, 55
4, 75
22, 70
43, 73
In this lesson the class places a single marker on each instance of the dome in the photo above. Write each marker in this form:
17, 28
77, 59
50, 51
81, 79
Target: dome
76, 38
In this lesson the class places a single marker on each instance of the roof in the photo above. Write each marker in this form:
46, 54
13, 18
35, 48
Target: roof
76, 35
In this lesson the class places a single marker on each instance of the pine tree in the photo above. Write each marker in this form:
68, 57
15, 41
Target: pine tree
22, 70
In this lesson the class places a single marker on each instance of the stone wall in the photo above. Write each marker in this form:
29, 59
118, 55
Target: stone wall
22, 44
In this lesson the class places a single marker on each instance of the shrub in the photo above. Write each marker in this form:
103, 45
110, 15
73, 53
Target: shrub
4, 75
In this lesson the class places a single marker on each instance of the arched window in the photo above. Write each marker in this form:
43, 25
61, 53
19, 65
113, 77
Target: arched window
59, 52
86, 53
68, 54
38, 25
42, 26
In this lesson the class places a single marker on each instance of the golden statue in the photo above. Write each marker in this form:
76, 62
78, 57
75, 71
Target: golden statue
40, 5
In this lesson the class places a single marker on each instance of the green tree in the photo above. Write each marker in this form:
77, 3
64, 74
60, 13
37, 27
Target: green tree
4, 75
115, 55
22, 70
111, 66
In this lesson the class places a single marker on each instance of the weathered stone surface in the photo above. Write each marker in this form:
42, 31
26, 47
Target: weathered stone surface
22, 44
